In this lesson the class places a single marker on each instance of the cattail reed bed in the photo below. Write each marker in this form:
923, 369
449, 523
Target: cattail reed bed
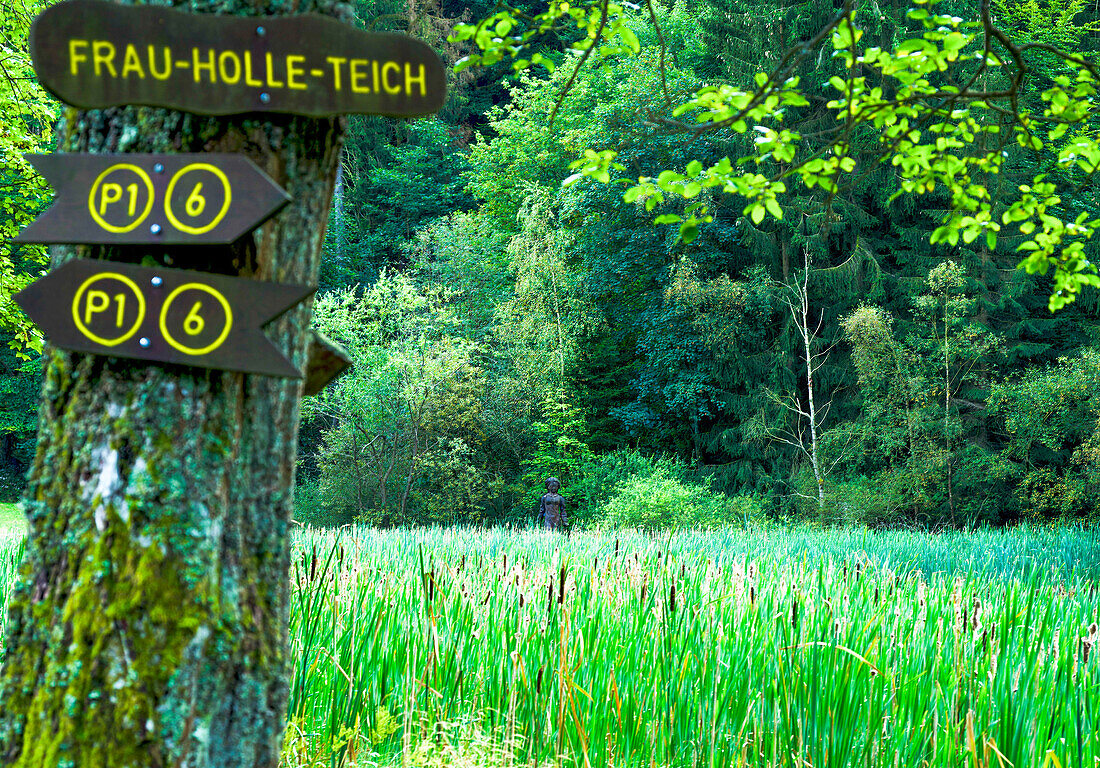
736, 648
731, 648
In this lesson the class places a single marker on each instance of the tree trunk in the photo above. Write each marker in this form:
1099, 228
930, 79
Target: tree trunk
148, 626
947, 406
805, 329
338, 214
802, 323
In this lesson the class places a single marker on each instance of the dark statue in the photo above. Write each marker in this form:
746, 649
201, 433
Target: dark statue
552, 506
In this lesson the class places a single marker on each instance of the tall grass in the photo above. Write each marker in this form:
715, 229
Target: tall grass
730, 648
797, 647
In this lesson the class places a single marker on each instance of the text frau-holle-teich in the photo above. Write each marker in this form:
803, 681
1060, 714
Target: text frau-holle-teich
95, 54
203, 64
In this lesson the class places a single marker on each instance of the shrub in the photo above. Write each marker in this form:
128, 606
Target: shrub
602, 476
662, 501
310, 509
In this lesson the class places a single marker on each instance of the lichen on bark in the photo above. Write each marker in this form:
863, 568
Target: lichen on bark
148, 625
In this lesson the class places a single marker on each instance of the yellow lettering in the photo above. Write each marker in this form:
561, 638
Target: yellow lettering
193, 323
224, 59
120, 298
409, 80
271, 81
293, 71
356, 76
110, 193
97, 301
103, 53
248, 80
74, 57
335, 62
132, 63
374, 66
390, 66
208, 65
167, 64
195, 201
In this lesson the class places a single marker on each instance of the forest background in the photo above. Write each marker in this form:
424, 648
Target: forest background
830, 364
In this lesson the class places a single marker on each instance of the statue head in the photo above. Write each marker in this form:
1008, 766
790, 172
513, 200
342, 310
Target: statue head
552, 484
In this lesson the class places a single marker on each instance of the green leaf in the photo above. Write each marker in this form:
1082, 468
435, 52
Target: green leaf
954, 41
538, 58
630, 39
667, 218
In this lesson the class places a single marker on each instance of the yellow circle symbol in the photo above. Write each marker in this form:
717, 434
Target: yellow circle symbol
194, 203
106, 193
194, 317
89, 303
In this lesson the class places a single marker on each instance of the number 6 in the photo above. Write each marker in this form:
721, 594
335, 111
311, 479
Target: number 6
195, 201
193, 323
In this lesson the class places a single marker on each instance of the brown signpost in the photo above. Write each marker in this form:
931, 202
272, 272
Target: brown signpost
325, 361
160, 499
184, 199
167, 315
95, 54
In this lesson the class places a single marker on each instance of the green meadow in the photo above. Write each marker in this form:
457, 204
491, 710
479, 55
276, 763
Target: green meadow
785, 647
11, 519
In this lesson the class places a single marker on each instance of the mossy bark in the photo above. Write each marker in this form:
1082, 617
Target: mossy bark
149, 624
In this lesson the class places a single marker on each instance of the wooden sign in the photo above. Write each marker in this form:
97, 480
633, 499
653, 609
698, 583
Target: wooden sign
325, 361
167, 315
164, 199
93, 54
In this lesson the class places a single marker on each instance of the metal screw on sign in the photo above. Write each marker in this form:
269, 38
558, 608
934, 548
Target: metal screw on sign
156, 281
143, 341
158, 168
261, 31
155, 229
265, 97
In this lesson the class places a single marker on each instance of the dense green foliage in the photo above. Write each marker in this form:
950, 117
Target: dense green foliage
27, 127
592, 330
507, 326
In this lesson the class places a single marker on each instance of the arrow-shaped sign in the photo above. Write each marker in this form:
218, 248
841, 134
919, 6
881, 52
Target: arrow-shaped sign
325, 361
166, 199
167, 315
